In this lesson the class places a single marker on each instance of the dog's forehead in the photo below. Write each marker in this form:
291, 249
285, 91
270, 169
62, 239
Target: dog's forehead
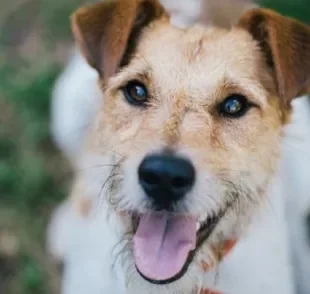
200, 56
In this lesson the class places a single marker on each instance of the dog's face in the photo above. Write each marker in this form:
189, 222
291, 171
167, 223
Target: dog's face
191, 127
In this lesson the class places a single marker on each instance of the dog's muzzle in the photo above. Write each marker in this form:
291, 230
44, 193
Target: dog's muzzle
165, 242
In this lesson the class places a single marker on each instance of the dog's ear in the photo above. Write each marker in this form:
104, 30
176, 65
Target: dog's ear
286, 45
224, 13
107, 33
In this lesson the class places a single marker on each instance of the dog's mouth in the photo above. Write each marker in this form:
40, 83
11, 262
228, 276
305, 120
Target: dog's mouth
165, 244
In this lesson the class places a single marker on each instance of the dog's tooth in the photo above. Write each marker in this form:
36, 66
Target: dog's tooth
197, 226
203, 217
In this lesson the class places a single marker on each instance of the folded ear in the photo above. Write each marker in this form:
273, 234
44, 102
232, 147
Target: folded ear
286, 45
107, 33
224, 13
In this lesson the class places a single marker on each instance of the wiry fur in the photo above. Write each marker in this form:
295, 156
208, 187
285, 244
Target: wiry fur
181, 117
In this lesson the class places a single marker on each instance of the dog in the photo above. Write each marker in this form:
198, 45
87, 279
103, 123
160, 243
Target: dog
186, 168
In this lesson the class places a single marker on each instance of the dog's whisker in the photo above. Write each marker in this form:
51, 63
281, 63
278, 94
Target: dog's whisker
104, 151
118, 254
110, 176
86, 169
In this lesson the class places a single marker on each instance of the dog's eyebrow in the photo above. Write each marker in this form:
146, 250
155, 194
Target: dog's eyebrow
127, 74
144, 76
142, 73
254, 92
228, 85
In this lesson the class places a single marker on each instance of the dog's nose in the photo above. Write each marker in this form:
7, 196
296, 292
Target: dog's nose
166, 178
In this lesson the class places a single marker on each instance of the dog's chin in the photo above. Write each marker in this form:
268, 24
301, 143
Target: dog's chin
203, 231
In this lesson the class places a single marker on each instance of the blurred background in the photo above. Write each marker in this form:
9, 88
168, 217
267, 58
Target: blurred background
35, 42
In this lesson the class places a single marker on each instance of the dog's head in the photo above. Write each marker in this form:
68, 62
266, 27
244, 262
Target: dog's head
191, 125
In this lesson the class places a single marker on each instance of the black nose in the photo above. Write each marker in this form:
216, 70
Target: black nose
166, 178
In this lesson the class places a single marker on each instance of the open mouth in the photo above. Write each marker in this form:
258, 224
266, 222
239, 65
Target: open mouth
165, 244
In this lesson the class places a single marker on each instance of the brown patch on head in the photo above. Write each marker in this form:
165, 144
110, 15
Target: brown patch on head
107, 32
286, 45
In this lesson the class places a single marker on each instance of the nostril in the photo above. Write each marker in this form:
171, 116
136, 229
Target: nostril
150, 179
181, 183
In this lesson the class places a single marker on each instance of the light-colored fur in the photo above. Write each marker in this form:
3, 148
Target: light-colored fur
75, 99
261, 262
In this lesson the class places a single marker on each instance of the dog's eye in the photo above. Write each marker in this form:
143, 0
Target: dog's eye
136, 93
234, 106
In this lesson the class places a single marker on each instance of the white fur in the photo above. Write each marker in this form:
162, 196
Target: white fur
75, 100
296, 176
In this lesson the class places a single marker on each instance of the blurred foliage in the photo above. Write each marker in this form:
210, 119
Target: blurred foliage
34, 42
299, 9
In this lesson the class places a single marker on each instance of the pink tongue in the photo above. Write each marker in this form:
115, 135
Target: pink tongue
162, 244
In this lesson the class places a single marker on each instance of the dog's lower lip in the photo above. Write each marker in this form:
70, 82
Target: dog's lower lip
205, 230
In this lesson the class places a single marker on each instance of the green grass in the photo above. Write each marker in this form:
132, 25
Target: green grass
33, 175
29, 184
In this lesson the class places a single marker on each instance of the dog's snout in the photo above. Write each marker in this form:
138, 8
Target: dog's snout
166, 178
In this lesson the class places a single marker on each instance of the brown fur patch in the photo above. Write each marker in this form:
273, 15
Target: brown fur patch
286, 45
107, 32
